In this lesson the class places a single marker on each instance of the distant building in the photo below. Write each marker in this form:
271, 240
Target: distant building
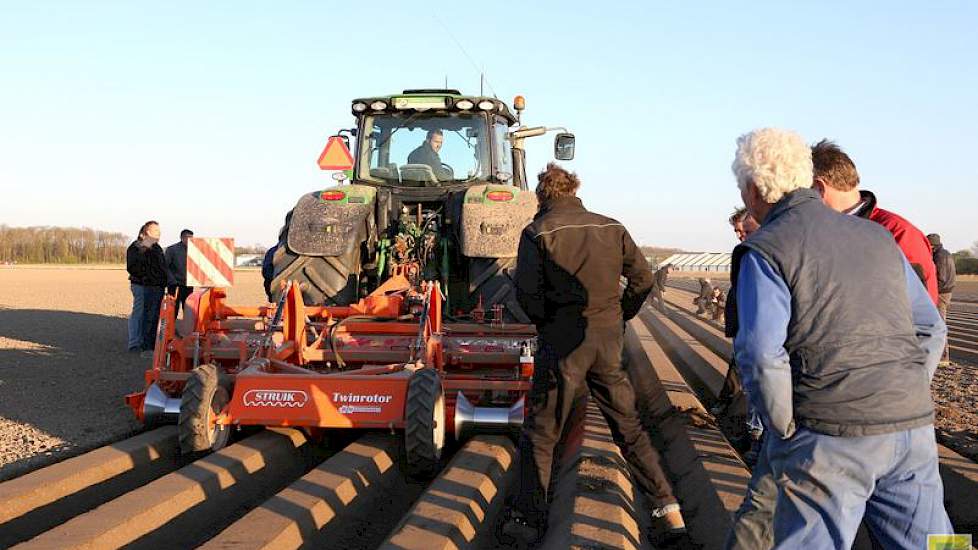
699, 261
247, 260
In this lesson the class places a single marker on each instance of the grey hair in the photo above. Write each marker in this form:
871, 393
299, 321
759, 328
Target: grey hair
775, 161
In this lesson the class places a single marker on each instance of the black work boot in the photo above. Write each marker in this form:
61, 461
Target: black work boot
669, 528
521, 531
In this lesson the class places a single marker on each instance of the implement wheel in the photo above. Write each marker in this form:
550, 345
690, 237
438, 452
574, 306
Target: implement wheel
424, 426
203, 398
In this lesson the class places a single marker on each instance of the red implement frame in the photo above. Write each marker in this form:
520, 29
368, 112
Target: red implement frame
338, 367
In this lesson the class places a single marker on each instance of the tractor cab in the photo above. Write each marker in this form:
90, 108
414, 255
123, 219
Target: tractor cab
440, 138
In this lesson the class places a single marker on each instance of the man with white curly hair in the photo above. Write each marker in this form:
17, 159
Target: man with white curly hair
836, 340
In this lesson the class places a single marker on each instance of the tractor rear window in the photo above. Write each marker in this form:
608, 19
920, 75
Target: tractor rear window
426, 149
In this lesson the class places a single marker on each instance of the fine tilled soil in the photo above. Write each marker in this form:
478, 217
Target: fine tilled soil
80, 471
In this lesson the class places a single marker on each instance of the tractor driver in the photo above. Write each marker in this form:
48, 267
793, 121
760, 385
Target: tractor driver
427, 153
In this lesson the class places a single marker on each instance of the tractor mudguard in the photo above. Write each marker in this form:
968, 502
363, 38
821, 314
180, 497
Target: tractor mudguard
333, 221
493, 216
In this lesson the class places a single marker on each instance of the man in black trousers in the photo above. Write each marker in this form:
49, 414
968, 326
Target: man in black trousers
176, 269
569, 266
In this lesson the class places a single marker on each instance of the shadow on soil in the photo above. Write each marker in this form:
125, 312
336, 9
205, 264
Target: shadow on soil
65, 374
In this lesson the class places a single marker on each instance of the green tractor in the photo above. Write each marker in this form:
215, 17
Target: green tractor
438, 185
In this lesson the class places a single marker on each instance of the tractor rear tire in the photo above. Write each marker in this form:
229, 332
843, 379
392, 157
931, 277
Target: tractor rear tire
424, 424
204, 395
492, 280
330, 281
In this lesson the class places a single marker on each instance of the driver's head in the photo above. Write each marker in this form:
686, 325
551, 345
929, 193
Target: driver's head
435, 139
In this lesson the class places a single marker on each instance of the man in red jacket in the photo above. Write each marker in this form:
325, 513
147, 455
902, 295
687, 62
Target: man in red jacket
837, 180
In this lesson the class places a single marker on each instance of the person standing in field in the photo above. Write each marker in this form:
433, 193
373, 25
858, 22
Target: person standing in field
733, 407
706, 295
659, 279
147, 273
946, 274
176, 269
567, 280
837, 340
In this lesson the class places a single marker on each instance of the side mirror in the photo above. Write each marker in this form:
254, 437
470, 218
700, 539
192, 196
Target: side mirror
564, 146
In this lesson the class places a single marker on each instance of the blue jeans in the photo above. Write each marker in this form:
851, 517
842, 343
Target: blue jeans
136, 317
152, 295
827, 485
752, 527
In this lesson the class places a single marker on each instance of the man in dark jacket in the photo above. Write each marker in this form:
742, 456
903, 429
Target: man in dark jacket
147, 280
568, 272
659, 279
706, 295
946, 274
837, 340
268, 270
176, 269
427, 153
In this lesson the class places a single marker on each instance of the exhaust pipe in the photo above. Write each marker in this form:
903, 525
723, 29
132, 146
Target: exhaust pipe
159, 408
469, 418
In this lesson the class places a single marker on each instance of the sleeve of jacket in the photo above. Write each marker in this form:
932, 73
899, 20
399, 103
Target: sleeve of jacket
530, 279
636, 271
927, 323
134, 263
169, 261
268, 270
946, 272
764, 311
916, 249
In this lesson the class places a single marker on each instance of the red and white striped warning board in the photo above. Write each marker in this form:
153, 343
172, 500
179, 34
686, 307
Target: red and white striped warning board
210, 262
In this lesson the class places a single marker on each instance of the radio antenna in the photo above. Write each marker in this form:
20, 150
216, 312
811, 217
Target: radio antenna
467, 56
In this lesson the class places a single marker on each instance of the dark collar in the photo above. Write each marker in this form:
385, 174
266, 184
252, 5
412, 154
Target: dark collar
791, 200
869, 204
562, 203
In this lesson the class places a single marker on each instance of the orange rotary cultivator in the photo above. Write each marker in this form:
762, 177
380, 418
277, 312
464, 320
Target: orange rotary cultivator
393, 303
389, 361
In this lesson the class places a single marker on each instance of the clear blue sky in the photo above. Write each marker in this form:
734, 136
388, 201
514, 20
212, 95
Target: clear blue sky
211, 115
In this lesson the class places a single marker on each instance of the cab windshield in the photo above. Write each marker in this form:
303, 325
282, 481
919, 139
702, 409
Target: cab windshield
425, 149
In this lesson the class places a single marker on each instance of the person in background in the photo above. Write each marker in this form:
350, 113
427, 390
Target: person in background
742, 222
567, 280
176, 269
659, 279
733, 408
946, 274
136, 267
837, 341
268, 262
717, 302
706, 295
268, 270
147, 279
837, 181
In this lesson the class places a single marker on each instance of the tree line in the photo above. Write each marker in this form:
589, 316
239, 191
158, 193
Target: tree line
74, 245
966, 261
61, 245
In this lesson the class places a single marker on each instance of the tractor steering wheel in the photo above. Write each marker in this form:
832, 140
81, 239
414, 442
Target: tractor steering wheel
451, 171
